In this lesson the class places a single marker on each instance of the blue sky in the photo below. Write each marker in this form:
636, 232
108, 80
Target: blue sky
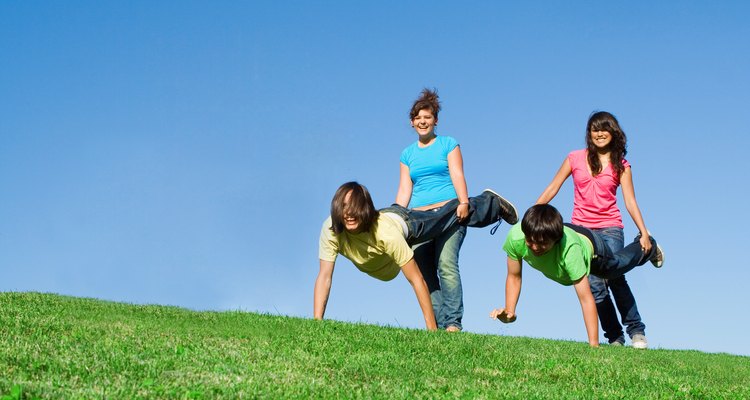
185, 153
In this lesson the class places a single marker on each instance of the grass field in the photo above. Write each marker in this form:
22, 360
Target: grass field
55, 347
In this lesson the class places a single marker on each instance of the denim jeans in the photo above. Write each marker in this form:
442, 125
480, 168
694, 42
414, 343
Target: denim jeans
609, 264
422, 226
438, 261
613, 237
440, 231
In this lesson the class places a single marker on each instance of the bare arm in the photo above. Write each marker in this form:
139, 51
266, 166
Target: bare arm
404, 187
512, 292
588, 306
456, 170
551, 191
322, 289
412, 274
628, 194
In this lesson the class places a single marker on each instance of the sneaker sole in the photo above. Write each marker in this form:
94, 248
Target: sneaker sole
506, 205
660, 253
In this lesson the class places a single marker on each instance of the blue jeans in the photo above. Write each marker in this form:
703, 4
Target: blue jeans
624, 299
422, 226
443, 235
609, 264
438, 261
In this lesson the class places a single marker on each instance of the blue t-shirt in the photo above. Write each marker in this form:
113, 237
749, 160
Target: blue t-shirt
428, 168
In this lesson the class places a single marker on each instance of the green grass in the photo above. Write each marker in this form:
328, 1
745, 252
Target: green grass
55, 347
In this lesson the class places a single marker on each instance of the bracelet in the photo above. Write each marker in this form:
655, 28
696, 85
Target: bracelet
467, 203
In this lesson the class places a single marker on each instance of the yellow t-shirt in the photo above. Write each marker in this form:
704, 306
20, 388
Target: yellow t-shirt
379, 253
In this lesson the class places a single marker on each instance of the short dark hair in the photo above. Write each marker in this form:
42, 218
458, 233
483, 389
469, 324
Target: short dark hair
360, 207
428, 100
542, 223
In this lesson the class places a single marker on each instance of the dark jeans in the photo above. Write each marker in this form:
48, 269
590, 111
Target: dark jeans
440, 228
484, 210
613, 237
438, 261
609, 264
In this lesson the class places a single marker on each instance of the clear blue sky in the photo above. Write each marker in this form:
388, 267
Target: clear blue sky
185, 153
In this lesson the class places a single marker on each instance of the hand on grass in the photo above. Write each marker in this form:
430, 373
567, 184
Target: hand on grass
503, 315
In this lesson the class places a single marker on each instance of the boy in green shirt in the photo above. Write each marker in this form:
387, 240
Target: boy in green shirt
567, 254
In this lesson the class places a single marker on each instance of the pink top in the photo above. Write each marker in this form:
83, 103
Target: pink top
595, 199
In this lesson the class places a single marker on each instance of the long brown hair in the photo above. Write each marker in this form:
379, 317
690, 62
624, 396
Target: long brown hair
604, 121
428, 100
360, 207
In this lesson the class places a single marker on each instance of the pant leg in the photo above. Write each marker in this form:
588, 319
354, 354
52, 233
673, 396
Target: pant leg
606, 310
625, 301
424, 256
484, 210
623, 296
447, 248
611, 265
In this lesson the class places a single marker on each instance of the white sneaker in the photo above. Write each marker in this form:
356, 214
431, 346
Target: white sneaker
658, 258
639, 341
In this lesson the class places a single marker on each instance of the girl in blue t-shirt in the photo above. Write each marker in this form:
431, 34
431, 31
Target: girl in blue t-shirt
432, 173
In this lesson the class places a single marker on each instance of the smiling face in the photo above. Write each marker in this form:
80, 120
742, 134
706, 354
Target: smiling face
424, 123
601, 139
351, 223
539, 248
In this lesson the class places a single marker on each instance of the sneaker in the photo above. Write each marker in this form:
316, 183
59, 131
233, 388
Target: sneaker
617, 343
453, 328
639, 341
658, 258
508, 213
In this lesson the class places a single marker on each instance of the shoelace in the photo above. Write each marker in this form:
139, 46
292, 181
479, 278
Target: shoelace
494, 228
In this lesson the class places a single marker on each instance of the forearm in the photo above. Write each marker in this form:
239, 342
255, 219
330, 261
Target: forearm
414, 276
423, 297
588, 308
512, 292
548, 194
551, 190
456, 171
403, 196
320, 297
405, 187
322, 288
635, 214
459, 184
591, 320
628, 194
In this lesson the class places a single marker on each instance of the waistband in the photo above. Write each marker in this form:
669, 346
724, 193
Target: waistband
399, 220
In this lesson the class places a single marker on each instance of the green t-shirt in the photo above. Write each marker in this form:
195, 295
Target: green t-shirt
566, 262
379, 253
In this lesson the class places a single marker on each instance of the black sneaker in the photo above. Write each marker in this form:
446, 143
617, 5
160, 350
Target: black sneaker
509, 213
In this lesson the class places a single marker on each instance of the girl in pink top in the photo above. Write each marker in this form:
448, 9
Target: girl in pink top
597, 172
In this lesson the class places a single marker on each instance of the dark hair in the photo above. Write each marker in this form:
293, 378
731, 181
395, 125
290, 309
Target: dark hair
360, 207
604, 121
428, 100
542, 223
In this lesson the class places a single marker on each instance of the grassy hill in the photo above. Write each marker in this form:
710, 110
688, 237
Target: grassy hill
55, 346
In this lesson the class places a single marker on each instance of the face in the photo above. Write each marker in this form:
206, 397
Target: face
424, 123
539, 248
601, 139
351, 224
